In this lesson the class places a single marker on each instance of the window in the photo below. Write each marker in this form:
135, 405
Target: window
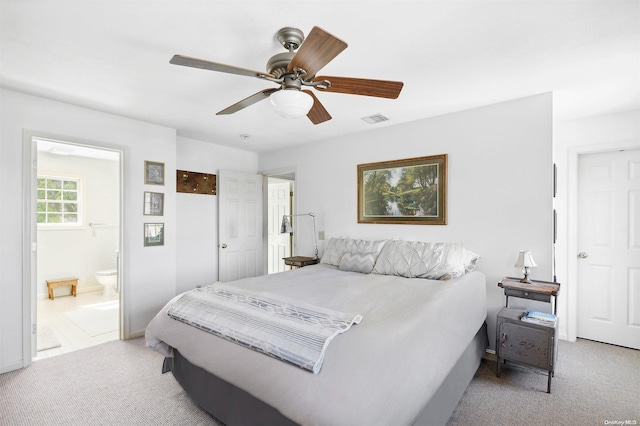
59, 201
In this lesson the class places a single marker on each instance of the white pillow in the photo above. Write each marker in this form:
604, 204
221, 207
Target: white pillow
469, 259
358, 262
337, 247
413, 259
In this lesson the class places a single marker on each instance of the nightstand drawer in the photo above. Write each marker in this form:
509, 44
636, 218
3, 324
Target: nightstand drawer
526, 294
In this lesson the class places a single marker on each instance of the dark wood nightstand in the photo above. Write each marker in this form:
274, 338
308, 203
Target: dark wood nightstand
525, 342
300, 261
541, 291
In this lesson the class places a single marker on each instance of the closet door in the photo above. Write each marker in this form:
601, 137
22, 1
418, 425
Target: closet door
240, 235
609, 247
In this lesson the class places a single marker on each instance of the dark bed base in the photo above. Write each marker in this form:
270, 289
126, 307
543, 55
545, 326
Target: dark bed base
224, 401
233, 406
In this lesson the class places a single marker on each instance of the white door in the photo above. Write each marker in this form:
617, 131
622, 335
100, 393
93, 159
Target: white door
609, 247
279, 204
240, 241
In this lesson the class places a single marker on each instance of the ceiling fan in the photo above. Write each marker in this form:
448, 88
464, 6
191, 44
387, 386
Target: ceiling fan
293, 70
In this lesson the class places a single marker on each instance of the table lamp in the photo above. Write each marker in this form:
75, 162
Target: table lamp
525, 261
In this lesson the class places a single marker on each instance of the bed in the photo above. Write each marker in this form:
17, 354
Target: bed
408, 361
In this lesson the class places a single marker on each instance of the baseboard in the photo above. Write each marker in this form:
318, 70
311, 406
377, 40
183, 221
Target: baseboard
11, 367
90, 289
490, 355
135, 334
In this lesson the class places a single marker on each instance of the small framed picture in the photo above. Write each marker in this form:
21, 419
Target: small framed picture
153, 203
153, 234
153, 173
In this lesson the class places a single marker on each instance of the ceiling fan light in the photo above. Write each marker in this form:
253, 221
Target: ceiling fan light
291, 103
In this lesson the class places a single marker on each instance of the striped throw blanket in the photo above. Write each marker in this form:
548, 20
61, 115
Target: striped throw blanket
291, 331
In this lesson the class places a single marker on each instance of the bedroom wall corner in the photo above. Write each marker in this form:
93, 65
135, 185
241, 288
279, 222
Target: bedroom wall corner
149, 272
499, 183
197, 214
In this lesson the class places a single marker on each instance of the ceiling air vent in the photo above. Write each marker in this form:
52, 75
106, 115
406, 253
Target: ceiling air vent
375, 118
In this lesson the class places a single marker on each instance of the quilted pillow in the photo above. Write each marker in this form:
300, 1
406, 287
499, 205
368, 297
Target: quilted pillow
358, 262
337, 247
413, 259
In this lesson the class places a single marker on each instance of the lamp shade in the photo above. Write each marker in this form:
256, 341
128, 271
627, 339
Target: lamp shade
286, 227
525, 260
290, 103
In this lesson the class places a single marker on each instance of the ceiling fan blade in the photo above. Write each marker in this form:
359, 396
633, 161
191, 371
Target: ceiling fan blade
214, 66
257, 97
317, 114
361, 86
317, 50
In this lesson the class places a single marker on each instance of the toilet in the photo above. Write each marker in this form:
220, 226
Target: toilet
109, 279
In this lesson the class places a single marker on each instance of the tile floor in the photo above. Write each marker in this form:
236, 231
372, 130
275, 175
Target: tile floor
70, 336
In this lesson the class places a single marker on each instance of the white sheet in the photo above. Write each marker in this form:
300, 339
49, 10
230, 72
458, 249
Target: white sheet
382, 372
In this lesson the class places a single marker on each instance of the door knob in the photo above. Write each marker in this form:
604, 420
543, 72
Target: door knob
583, 255
223, 246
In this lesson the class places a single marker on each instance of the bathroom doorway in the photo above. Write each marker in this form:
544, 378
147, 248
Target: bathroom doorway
279, 202
76, 210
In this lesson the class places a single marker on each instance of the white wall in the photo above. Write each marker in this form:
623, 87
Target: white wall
571, 138
81, 251
499, 183
149, 273
197, 214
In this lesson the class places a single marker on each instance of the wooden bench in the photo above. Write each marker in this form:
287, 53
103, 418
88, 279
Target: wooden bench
72, 281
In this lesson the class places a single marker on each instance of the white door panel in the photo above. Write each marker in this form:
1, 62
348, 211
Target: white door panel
239, 225
609, 247
279, 245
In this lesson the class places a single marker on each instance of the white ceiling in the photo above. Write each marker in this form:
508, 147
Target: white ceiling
113, 56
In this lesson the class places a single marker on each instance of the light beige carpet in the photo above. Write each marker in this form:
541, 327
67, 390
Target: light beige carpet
594, 384
115, 383
119, 383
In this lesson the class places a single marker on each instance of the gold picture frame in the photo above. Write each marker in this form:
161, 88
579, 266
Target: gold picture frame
410, 191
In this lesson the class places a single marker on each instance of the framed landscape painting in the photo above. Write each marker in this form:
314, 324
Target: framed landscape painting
410, 191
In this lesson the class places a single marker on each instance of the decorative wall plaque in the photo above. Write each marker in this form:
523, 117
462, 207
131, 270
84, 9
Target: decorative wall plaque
195, 183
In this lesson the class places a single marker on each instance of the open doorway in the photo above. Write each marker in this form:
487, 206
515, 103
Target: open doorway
76, 204
279, 203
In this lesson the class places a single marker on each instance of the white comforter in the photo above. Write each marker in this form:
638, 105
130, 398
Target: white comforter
382, 371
